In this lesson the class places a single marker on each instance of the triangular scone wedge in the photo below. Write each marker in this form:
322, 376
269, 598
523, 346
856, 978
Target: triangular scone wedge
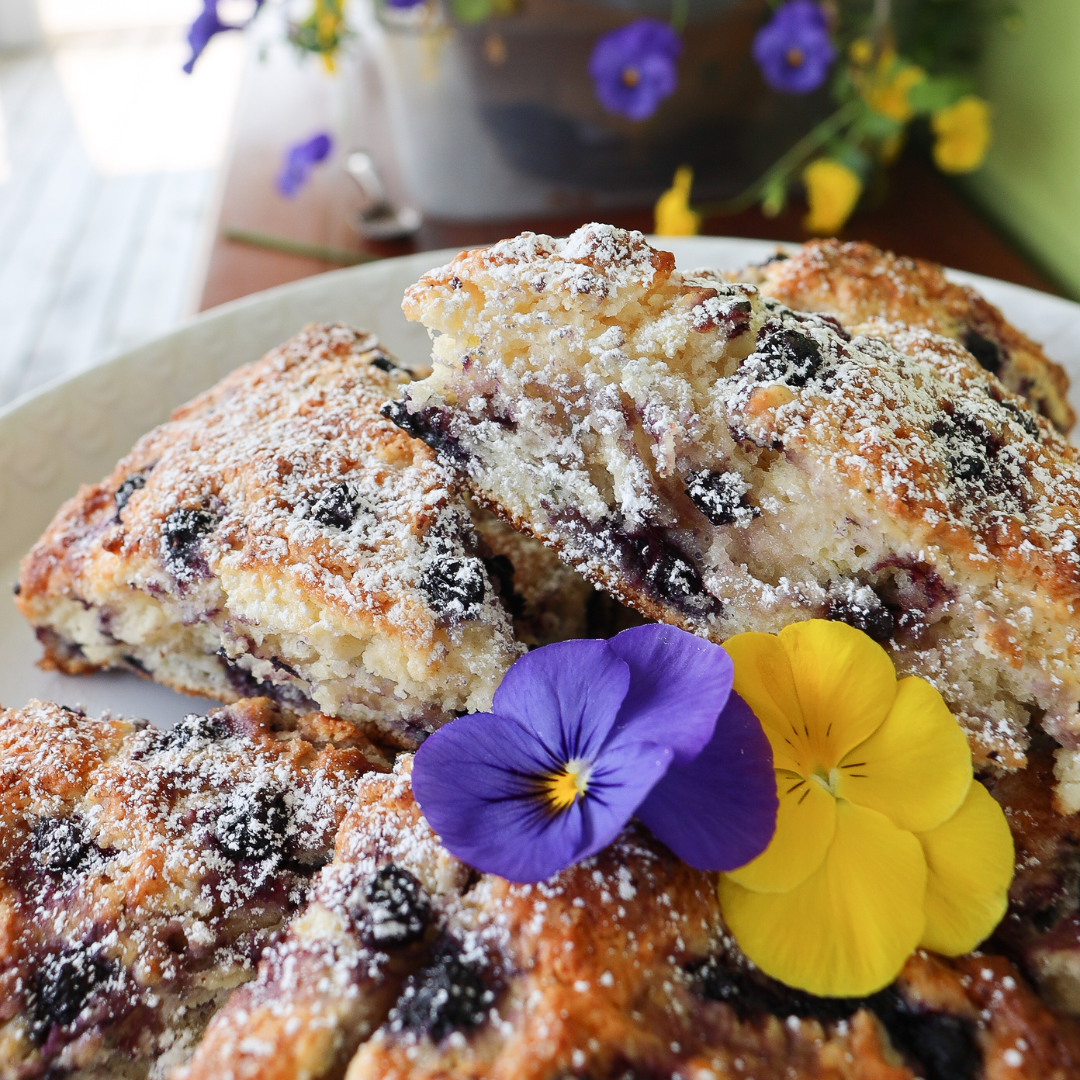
857, 283
278, 536
409, 965
725, 464
142, 873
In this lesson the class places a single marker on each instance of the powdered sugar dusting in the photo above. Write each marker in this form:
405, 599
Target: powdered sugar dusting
722, 462
301, 535
120, 886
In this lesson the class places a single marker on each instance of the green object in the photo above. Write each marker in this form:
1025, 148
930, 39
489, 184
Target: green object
471, 11
1031, 180
298, 247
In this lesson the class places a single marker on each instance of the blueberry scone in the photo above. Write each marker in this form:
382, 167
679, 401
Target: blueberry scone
725, 464
860, 285
142, 872
408, 965
279, 537
1041, 930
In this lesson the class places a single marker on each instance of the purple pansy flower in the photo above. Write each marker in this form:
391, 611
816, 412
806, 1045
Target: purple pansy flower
634, 68
582, 736
206, 25
793, 49
298, 162
403, 3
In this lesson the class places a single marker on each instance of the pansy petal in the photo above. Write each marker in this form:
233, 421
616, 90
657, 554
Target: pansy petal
970, 861
568, 694
845, 681
473, 780
805, 822
619, 783
763, 680
519, 839
848, 928
678, 685
718, 811
916, 768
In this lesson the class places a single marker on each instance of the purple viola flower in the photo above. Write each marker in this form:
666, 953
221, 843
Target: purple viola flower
300, 160
582, 736
403, 3
634, 67
793, 49
206, 25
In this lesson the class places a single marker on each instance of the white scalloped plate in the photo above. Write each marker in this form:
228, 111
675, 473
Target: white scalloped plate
74, 431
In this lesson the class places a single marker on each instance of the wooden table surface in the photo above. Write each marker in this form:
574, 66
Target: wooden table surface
922, 215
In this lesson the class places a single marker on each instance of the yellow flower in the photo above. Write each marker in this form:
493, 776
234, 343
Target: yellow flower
861, 51
963, 135
884, 842
674, 217
832, 190
887, 91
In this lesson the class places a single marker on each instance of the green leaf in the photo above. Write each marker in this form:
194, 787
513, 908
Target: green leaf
774, 197
847, 153
875, 126
938, 92
471, 11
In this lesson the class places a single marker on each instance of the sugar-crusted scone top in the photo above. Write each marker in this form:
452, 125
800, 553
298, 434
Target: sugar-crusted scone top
860, 284
728, 464
298, 539
408, 964
142, 871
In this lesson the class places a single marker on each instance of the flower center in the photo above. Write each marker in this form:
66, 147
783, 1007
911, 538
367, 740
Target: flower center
630, 77
562, 788
827, 778
794, 57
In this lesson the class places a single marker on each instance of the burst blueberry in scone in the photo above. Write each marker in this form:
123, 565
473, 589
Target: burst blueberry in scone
278, 536
409, 965
725, 464
142, 872
858, 283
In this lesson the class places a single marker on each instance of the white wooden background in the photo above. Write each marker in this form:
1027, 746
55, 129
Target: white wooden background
109, 158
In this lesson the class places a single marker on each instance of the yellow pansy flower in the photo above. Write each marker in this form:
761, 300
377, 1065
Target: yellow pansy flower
674, 217
884, 842
832, 190
962, 135
861, 51
886, 88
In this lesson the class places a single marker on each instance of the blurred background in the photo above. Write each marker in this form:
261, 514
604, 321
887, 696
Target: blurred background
312, 134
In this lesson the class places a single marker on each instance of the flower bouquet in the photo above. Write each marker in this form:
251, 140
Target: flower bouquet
502, 107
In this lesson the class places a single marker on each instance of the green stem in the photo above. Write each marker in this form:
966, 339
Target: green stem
298, 247
813, 140
680, 12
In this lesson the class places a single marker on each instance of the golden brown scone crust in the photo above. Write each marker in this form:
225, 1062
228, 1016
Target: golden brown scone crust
279, 536
620, 966
856, 283
142, 872
721, 462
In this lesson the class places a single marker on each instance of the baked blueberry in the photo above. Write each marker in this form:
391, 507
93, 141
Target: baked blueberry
454, 586
337, 507
252, 825
61, 844
61, 987
181, 533
721, 496
448, 995
193, 728
128, 488
860, 606
988, 353
784, 355
398, 907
